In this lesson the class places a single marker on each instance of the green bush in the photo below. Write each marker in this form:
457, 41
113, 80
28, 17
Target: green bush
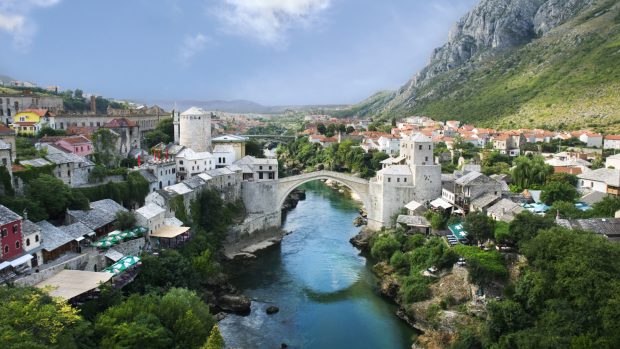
400, 263
483, 266
415, 288
384, 246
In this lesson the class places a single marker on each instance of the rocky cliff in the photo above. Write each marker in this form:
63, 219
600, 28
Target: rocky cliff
481, 50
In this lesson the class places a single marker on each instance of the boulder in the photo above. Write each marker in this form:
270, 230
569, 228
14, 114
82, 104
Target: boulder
235, 304
272, 310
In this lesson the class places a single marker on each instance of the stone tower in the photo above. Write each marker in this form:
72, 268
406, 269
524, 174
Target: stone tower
418, 151
195, 129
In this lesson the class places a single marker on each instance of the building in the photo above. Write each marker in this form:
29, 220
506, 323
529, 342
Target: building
72, 169
591, 139
509, 143
224, 155
100, 218
473, 191
31, 241
30, 121
612, 142
418, 179
604, 180
160, 174
504, 210
237, 143
10, 234
389, 144
258, 170
78, 145
151, 216
128, 134
6, 156
11, 104
608, 227
195, 130
613, 161
190, 163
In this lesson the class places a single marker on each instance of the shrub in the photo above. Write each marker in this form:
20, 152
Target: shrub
384, 246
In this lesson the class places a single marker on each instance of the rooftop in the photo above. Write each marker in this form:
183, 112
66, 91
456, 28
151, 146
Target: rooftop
468, 178
229, 138
7, 216
399, 170
413, 221
194, 111
53, 237
150, 210
608, 176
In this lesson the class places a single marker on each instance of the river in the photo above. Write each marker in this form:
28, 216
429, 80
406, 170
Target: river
325, 290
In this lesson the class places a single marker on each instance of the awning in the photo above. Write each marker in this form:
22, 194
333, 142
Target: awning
122, 265
21, 260
439, 202
169, 232
68, 284
458, 231
4, 265
413, 205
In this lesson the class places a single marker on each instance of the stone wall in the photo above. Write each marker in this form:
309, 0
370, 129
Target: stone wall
260, 197
254, 224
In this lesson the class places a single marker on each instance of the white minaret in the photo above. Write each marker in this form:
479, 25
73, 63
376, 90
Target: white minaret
195, 129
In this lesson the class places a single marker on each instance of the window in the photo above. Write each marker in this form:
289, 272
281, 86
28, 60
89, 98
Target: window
398, 179
27, 242
405, 180
15, 228
181, 162
270, 167
420, 147
260, 175
4, 232
17, 245
426, 158
260, 167
36, 238
6, 249
389, 179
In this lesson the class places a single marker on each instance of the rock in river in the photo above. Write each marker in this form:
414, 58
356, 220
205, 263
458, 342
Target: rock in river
235, 304
272, 310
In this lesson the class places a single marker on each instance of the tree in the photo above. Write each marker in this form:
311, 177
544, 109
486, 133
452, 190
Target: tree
51, 193
350, 129
530, 172
170, 269
205, 264
125, 220
342, 128
566, 210
48, 131
253, 148
479, 226
29, 318
563, 177
607, 207
558, 191
526, 225
384, 246
104, 144
215, 339
178, 319
320, 127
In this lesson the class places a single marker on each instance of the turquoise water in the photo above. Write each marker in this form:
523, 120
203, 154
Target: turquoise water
325, 290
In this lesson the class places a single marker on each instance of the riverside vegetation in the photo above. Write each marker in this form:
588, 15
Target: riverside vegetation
557, 290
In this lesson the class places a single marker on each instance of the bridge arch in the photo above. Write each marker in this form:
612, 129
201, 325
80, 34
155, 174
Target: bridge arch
358, 185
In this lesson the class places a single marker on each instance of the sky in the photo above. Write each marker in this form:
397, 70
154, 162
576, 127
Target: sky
274, 52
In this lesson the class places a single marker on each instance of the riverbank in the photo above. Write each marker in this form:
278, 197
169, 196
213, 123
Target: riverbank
448, 304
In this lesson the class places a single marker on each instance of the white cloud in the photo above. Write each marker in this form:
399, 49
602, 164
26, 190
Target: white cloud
268, 20
192, 45
14, 20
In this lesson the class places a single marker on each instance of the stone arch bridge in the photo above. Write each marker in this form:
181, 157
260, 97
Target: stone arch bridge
358, 185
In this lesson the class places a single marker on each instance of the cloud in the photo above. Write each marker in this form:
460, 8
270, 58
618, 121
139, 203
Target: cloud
14, 19
268, 20
192, 45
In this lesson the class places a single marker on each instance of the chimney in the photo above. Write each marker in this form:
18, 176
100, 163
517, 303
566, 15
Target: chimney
25, 214
93, 104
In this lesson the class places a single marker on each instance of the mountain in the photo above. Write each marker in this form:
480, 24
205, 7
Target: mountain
514, 63
5, 79
238, 106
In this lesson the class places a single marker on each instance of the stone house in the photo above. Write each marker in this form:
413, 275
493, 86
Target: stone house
604, 180
612, 142
473, 191
100, 218
190, 163
151, 216
11, 104
72, 169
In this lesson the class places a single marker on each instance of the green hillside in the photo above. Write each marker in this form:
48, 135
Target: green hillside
570, 77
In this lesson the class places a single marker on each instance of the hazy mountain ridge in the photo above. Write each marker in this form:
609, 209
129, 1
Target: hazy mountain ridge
516, 61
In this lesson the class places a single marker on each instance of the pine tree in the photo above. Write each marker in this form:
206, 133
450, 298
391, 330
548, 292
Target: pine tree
215, 340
